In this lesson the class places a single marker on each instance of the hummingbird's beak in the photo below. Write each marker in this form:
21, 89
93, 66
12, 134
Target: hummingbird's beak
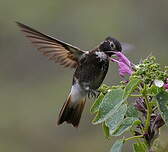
111, 52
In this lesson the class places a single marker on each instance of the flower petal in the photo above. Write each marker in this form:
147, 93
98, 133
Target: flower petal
123, 63
165, 86
123, 58
124, 69
158, 83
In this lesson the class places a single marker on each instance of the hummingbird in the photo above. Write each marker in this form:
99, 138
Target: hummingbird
90, 68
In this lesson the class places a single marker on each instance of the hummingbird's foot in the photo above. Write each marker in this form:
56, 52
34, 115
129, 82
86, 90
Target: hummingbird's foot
98, 93
93, 93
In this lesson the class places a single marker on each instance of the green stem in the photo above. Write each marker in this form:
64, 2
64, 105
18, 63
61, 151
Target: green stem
136, 95
149, 111
133, 137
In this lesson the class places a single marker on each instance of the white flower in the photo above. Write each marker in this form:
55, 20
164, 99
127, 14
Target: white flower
158, 83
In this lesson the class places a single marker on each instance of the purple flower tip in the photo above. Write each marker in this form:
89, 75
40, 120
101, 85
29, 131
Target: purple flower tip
123, 58
124, 69
165, 86
123, 63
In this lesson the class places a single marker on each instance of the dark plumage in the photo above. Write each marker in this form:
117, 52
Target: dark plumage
90, 68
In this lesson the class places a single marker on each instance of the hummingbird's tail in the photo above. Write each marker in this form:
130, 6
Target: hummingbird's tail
71, 111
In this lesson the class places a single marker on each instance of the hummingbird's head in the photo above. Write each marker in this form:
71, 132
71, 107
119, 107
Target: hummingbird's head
110, 45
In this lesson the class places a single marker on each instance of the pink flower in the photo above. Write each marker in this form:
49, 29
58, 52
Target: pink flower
123, 58
165, 86
123, 63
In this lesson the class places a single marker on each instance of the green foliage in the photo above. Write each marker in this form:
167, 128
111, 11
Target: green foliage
162, 100
126, 124
148, 95
117, 146
140, 147
110, 103
131, 111
131, 86
106, 130
114, 121
95, 107
153, 90
150, 70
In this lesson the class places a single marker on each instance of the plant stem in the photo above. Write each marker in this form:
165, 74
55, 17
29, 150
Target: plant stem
136, 95
133, 137
147, 123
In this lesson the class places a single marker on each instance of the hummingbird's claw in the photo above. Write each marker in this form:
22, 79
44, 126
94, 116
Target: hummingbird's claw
93, 93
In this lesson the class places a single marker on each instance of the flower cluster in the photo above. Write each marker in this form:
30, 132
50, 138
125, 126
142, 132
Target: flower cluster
147, 87
154, 80
149, 70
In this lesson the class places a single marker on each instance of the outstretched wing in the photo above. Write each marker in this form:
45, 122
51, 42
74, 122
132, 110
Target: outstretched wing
126, 47
56, 50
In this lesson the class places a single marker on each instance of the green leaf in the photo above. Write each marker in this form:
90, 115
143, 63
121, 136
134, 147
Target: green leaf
126, 124
153, 90
117, 146
106, 130
130, 87
111, 102
132, 111
104, 88
140, 147
96, 105
153, 102
116, 118
162, 100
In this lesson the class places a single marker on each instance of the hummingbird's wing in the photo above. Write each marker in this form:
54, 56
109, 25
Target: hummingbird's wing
126, 47
56, 50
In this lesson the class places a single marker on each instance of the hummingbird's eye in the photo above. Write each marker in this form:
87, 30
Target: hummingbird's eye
112, 45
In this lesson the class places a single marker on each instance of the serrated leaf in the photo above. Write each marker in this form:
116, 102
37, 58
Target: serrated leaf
162, 100
117, 146
106, 130
116, 118
130, 87
126, 124
96, 105
140, 147
111, 102
132, 111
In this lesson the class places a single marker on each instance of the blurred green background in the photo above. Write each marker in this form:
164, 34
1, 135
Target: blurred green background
32, 89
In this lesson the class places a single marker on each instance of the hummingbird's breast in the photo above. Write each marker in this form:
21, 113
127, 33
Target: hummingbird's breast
91, 71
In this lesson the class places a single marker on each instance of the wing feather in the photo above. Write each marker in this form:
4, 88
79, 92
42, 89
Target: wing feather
56, 50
